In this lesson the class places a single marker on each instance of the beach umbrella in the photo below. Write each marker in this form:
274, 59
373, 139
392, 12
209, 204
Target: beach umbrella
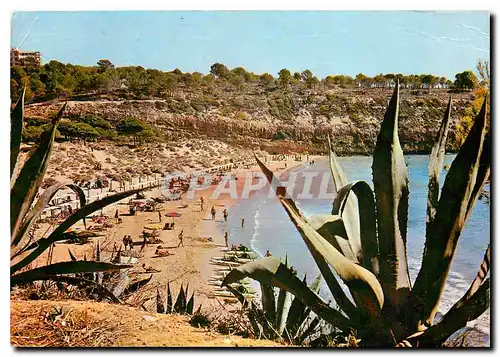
173, 215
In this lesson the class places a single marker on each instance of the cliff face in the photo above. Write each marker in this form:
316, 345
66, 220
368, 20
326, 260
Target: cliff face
281, 122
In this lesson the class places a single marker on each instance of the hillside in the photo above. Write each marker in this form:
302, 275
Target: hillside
277, 121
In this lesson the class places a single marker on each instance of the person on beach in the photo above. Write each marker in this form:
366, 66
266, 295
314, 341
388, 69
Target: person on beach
116, 216
225, 214
226, 238
268, 253
159, 216
180, 236
242, 222
202, 203
125, 241
212, 211
150, 269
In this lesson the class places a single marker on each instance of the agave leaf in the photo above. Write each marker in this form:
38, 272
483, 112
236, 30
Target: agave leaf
48, 271
342, 244
180, 302
350, 210
338, 175
97, 253
186, 292
363, 285
97, 288
299, 312
367, 225
390, 180
436, 160
190, 305
16, 129
160, 308
483, 173
465, 310
122, 281
30, 177
117, 258
315, 284
296, 315
466, 175
268, 302
271, 271
72, 257
468, 308
332, 229
57, 234
136, 285
169, 307
282, 309
41, 203
241, 298
98, 259
309, 330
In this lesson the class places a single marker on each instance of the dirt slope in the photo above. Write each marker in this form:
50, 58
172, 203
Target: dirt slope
91, 324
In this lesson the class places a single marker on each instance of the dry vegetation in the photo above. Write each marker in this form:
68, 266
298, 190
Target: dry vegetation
90, 324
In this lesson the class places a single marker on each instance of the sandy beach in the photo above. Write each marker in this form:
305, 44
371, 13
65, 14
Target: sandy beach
187, 264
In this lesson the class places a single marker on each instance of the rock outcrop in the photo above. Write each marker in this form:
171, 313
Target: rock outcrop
282, 122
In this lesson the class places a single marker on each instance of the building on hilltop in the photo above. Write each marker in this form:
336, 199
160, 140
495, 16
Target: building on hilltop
24, 58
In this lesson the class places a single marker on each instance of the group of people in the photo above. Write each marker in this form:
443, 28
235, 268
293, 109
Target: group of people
128, 242
213, 213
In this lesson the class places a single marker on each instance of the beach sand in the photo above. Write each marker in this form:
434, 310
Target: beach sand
189, 264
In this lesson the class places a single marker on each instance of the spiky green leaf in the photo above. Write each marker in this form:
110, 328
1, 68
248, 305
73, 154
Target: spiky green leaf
160, 308
365, 206
467, 174
190, 304
136, 285
30, 177
350, 211
268, 302
436, 160
48, 271
390, 180
16, 129
282, 308
169, 306
271, 271
41, 203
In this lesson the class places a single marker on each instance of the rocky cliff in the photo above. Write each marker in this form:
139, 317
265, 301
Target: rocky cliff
281, 121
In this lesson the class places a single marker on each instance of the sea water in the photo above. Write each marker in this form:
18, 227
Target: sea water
268, 227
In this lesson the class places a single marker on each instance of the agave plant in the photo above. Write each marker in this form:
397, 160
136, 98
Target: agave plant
279, 315
25, 211
182, 304
116, 285
364, 241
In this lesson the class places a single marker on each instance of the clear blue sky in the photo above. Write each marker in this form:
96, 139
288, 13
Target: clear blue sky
441, 43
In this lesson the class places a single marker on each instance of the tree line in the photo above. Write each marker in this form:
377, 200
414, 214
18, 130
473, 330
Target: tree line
55, 79
91, 128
